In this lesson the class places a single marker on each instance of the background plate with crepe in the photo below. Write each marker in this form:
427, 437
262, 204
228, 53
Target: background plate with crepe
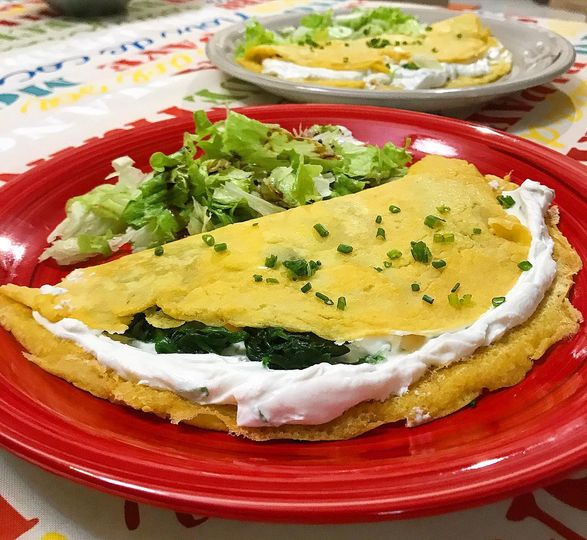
513, 440
539, 56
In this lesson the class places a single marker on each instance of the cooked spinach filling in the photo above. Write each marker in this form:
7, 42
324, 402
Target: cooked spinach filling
190, 337
276, 348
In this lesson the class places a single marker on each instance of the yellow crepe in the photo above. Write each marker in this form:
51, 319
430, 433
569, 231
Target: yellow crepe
460, 39
191, 281
440, 392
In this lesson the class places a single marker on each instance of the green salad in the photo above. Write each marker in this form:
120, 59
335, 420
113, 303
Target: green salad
317, 28
230, 171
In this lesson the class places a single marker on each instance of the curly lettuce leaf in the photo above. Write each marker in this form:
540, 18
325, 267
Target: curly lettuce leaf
380, 20
256, 34
94, 219
230, 171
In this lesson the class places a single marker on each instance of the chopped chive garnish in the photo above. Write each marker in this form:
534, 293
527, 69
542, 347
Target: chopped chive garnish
453, 300
208, 239
459, 35
466, 300
456, 302
506, 201
378, 220
443, 209
498, 301
476, 230
394, 254
324, 299
455, 287
378, 268
420, 252
387, 264
415, 287
306, 287
524, 266
341, 303
321, 230
441, 238
271, 280
159, 251
428, 299
220, 247
380, 233
301, 268
257, 277
270, 261
344, 248
433, 221
394, 209
439, 263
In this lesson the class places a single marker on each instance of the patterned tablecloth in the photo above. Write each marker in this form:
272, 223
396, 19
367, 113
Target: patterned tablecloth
65, 81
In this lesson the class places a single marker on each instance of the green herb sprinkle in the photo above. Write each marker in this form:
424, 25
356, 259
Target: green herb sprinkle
324, 299
208, 239
433, 221
270, 261
321, 230
506, 201
498, 301
420, 252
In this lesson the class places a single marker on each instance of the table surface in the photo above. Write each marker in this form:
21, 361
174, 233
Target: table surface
64, 81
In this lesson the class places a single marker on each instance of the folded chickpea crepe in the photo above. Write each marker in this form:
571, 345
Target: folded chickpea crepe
378, 48
401, 302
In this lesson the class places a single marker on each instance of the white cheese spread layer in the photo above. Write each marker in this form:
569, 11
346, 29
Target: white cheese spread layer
434, 76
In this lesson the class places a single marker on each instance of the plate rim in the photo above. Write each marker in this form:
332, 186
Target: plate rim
561, 64
12, 440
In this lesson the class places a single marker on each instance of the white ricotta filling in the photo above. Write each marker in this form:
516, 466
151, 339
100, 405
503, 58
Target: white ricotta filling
433, 76
323, 392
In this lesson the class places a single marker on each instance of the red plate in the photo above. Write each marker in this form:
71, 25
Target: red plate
512, 441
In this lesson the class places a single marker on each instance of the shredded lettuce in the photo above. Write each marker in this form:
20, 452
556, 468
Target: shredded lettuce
95, 220
255, 35
380, 20
226, 172
317, 28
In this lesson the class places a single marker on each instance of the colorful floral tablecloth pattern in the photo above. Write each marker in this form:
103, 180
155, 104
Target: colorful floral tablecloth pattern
65, 81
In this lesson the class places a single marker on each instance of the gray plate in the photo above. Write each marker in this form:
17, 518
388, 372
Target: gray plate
539, 56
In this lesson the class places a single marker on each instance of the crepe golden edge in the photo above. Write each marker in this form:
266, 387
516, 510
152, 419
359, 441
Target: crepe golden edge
440, 392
